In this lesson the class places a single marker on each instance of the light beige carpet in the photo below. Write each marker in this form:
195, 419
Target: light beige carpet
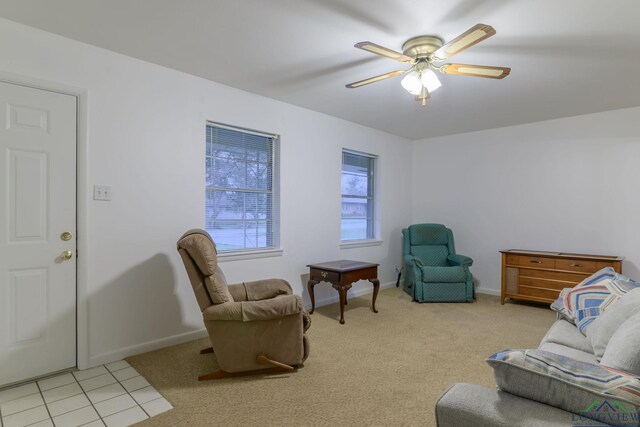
385, 369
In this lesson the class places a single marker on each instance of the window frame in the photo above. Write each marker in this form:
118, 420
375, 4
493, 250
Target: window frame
273, 230
372, 196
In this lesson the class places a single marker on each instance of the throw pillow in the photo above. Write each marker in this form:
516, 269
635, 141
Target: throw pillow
578, 387
622, 350
594, 295
603, 328
558, 306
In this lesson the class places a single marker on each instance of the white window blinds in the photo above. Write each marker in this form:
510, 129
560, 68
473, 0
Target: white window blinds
241, 205
358, 196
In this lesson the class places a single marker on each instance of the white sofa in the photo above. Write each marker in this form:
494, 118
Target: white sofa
526, 398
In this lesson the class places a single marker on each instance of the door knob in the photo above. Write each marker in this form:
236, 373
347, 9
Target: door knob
66, 255
66, 236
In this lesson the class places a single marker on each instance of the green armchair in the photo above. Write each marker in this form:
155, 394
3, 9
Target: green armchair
433, 270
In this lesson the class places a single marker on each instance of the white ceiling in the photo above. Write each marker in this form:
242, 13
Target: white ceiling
568, 57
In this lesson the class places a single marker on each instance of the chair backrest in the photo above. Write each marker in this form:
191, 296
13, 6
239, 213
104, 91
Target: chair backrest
200, 258
432, 243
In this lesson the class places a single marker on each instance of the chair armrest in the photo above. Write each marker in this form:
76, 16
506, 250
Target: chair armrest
267, 289
259, 290
224, 311
413, 260
247, 311
460, 260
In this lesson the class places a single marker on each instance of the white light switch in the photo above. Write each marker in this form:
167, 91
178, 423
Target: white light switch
101, 192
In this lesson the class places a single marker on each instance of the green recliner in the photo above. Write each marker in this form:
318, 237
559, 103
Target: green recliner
433, 270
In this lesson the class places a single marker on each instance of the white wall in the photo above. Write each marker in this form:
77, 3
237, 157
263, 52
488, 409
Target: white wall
145, 133
561, 185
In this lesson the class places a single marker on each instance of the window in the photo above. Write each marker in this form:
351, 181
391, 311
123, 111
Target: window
358, 196
241, 193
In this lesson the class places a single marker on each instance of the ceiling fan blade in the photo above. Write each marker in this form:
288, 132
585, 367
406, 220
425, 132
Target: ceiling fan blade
473, 35
375, 79
383, 51
476, 70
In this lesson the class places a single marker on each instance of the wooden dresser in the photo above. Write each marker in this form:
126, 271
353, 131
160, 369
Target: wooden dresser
540, 276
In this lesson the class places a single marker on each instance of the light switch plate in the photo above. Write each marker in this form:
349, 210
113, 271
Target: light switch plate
102, 192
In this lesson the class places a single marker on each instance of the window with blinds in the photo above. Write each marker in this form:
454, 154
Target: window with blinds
358, 196
241, 202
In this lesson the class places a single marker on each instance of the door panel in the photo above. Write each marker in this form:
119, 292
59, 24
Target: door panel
27, 181
29, 305
37, 204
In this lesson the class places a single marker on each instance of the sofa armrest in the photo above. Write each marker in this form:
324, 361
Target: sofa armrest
248, 311
460, 260
465, 405
260, 290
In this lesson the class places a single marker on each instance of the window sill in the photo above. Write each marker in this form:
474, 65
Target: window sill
360, 243
237, 256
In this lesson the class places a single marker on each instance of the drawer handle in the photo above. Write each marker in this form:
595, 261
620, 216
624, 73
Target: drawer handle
575, 265
535, 261
324, 274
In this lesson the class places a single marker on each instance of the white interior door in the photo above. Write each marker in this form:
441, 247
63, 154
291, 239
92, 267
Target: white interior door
37, 205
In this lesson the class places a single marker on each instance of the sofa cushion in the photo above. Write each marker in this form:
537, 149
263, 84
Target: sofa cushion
465, 405
603, 328
594, 295
565, 333
562, 382
623, 348
566, 351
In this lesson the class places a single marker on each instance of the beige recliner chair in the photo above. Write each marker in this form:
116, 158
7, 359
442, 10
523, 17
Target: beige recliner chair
255, 327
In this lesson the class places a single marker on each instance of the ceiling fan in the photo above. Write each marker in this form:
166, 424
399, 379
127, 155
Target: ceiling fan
423, 52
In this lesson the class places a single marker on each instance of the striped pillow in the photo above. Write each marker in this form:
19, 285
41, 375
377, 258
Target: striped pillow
594, 295
579, 387
558, 306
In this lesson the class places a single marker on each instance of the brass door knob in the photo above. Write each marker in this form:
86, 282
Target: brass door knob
66, 255
66, 236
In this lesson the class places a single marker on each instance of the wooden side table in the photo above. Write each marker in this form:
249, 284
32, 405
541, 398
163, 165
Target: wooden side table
342, 275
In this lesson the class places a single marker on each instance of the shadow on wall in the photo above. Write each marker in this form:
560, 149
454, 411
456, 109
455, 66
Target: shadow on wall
631, 270
142, 304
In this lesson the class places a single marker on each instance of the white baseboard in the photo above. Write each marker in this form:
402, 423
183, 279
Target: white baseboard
352, 293
488, 291
112, 356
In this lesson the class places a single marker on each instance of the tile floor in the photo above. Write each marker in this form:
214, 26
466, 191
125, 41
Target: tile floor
113, 395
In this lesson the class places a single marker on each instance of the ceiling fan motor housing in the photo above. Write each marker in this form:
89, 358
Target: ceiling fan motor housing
421, 47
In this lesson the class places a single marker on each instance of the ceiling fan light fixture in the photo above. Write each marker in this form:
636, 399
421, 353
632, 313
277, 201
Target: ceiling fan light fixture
422, 52
412, 83
430, 80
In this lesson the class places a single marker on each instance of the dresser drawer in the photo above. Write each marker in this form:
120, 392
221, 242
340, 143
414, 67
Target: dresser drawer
512, 259
584, 266
324, 275
540, 262
565, 279
548, 294
602, 264
534, 282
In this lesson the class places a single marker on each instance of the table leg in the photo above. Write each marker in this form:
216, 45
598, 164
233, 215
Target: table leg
310, 286
343, 298
376, 288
